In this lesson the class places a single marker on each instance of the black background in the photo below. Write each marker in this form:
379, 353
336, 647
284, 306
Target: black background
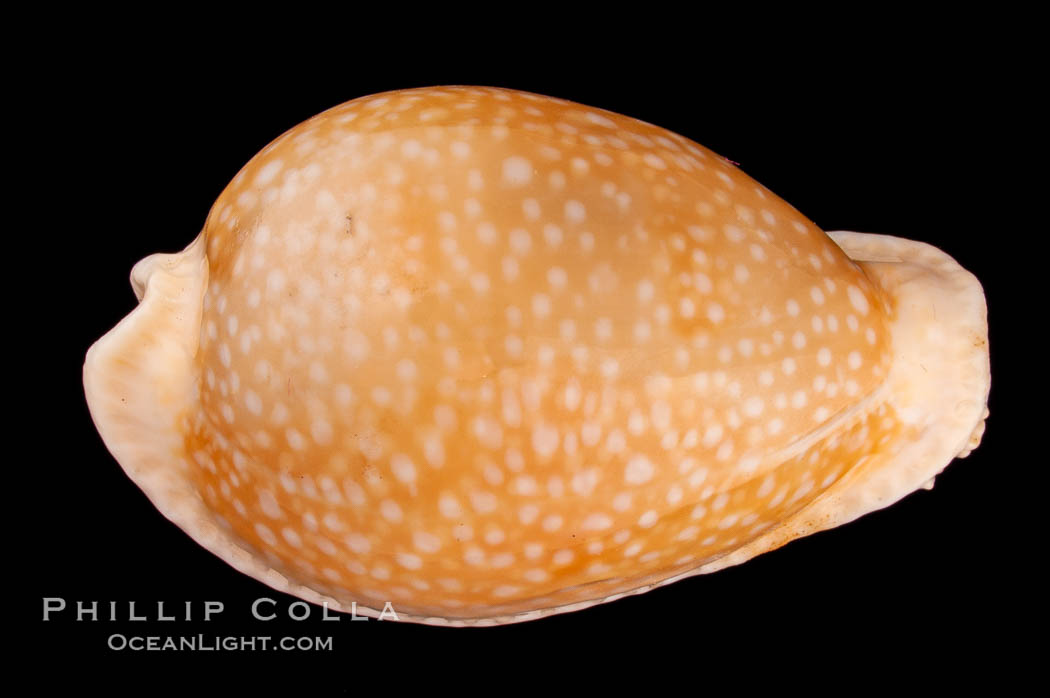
896, 135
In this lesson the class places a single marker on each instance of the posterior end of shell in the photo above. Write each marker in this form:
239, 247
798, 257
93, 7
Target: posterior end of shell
941, 377
138, 378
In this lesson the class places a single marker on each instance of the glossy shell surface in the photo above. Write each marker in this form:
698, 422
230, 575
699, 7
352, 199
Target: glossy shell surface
488, 355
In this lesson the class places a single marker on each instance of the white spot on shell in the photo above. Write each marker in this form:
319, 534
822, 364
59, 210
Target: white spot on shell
639, 470
857, 299
575, 211
517, 171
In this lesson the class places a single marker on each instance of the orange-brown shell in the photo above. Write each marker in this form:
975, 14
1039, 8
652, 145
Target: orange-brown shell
479, 353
